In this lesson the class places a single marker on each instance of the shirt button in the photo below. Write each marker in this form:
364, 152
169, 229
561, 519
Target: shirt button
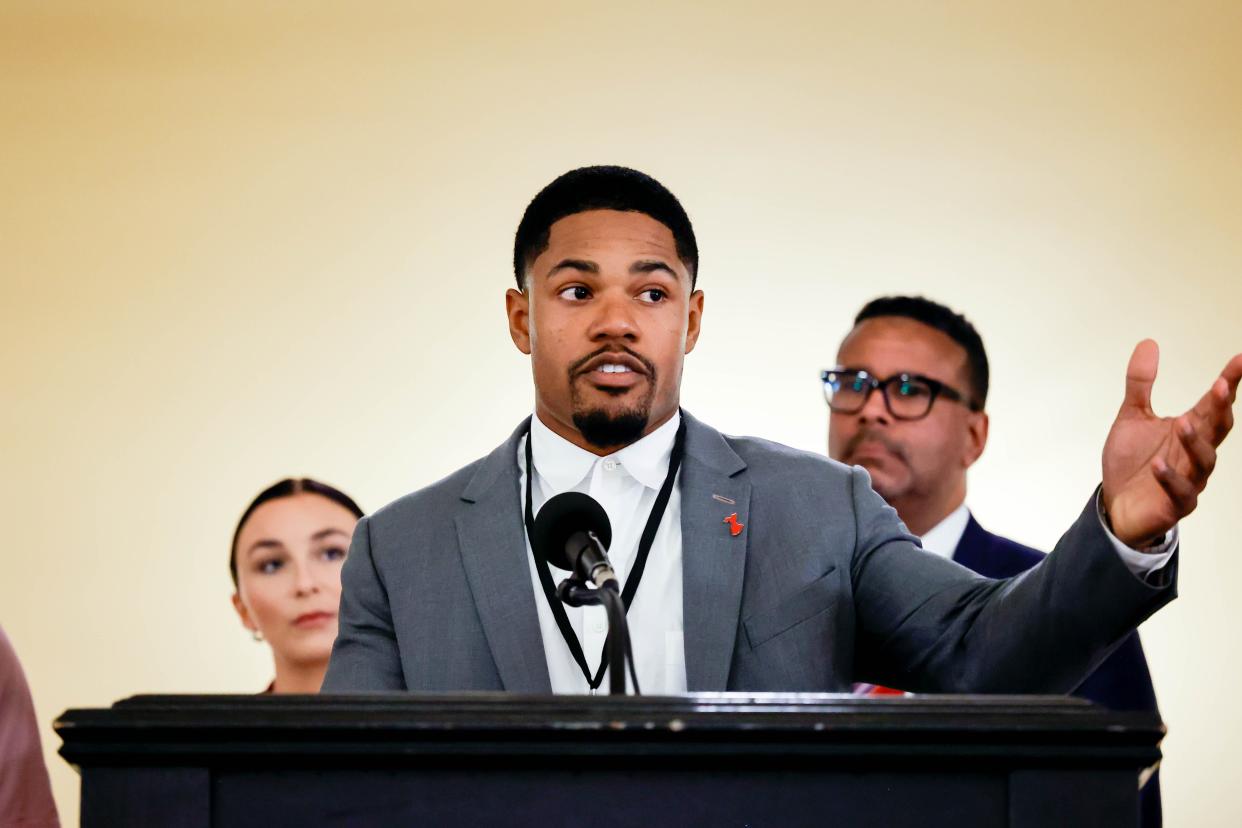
610, 465
597, 626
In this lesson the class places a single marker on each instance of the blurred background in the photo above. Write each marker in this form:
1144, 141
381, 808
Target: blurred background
241, 241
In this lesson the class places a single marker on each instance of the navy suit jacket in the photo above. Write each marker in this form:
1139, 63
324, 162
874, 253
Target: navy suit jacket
1121, 682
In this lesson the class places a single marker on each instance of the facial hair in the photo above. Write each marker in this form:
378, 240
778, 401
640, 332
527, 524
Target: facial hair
896, 449
601, 427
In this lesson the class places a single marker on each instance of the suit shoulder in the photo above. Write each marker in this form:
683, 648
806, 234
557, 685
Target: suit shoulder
436, 499
766, 459
1019, 552
993, 555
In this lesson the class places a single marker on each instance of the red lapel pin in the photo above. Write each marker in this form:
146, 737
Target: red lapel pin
735, 528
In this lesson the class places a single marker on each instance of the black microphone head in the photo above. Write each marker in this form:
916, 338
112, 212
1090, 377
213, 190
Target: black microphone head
560, 518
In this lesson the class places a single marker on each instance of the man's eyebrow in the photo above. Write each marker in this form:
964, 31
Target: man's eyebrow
575, 264
651, 266
324, 533
266, 543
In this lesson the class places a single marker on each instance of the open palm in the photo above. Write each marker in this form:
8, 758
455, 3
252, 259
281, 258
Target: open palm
1155, 467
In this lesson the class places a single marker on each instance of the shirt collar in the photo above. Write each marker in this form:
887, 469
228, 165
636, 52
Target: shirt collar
647, 460
943, 538
564, 465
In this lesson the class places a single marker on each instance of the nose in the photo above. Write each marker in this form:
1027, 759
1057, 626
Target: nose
874, 411
304, 579
614, 318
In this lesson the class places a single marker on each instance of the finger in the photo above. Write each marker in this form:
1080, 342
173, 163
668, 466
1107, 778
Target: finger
1233, 375
1213, 414
1226, 394
1140, 374
1224, 391
1183, 493
1199, 451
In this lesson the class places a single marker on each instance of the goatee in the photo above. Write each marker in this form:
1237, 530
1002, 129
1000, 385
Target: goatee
603, 429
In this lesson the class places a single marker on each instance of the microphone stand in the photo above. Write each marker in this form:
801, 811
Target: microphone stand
576, 593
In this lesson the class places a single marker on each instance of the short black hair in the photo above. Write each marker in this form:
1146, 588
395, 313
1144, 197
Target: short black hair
288, 487
601, 188
953, 324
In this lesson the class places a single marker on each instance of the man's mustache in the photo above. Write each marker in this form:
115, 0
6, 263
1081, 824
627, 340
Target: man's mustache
576, 367
896, 449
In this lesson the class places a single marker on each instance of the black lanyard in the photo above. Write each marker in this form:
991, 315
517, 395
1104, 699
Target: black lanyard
636, 572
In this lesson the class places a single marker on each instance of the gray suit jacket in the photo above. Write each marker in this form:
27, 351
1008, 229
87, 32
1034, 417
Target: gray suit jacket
823, 587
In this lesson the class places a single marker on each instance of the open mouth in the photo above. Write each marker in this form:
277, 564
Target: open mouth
611, 371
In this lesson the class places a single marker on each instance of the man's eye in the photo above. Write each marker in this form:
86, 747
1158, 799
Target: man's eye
912, 389
575, 293
653, 295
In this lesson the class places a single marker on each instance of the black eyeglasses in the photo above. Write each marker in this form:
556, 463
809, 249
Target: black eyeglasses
906, 396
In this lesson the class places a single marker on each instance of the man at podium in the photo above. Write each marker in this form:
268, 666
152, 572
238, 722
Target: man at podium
751, 566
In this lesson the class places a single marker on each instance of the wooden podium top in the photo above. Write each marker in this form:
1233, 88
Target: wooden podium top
403, 726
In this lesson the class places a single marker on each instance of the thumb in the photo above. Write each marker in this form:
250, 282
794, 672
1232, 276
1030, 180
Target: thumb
1140, 374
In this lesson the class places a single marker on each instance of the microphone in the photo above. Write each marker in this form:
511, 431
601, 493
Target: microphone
572, 532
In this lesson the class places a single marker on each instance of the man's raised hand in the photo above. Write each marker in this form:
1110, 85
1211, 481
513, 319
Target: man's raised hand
1155, 467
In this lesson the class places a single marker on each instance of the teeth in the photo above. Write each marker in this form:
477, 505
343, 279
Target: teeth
614, 369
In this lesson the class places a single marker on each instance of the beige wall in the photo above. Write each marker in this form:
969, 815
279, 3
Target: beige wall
238, 244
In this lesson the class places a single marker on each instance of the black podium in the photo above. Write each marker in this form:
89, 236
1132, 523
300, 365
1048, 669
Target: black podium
702, 759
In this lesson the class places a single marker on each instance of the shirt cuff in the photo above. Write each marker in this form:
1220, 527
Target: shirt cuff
1142, 564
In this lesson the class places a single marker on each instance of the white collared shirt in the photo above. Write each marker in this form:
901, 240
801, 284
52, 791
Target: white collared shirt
626, 484
943, 538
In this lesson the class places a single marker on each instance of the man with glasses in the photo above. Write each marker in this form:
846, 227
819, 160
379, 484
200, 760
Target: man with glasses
906, 403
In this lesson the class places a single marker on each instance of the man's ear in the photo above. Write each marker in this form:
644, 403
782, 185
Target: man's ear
695, 321
517, 307
243, 613
978, 434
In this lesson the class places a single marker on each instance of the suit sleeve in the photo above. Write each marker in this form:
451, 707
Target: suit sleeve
929, 625
365, 656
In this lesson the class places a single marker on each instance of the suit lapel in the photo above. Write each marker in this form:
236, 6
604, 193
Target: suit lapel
713, 558
492, 539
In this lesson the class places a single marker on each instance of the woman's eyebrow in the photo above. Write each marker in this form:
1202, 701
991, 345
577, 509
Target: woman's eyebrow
265, 543
324, 533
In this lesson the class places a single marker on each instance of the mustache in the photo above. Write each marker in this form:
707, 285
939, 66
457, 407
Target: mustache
875, 436
576, 367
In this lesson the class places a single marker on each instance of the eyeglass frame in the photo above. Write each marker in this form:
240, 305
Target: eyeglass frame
937, 390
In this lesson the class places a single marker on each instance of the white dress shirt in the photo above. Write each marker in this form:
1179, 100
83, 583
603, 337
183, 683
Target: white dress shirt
943, 538
625, 484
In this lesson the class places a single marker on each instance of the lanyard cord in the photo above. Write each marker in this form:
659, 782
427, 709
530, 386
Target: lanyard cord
636, 572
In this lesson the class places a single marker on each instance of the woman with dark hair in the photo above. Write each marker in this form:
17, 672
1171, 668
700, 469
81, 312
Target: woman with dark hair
286, 566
